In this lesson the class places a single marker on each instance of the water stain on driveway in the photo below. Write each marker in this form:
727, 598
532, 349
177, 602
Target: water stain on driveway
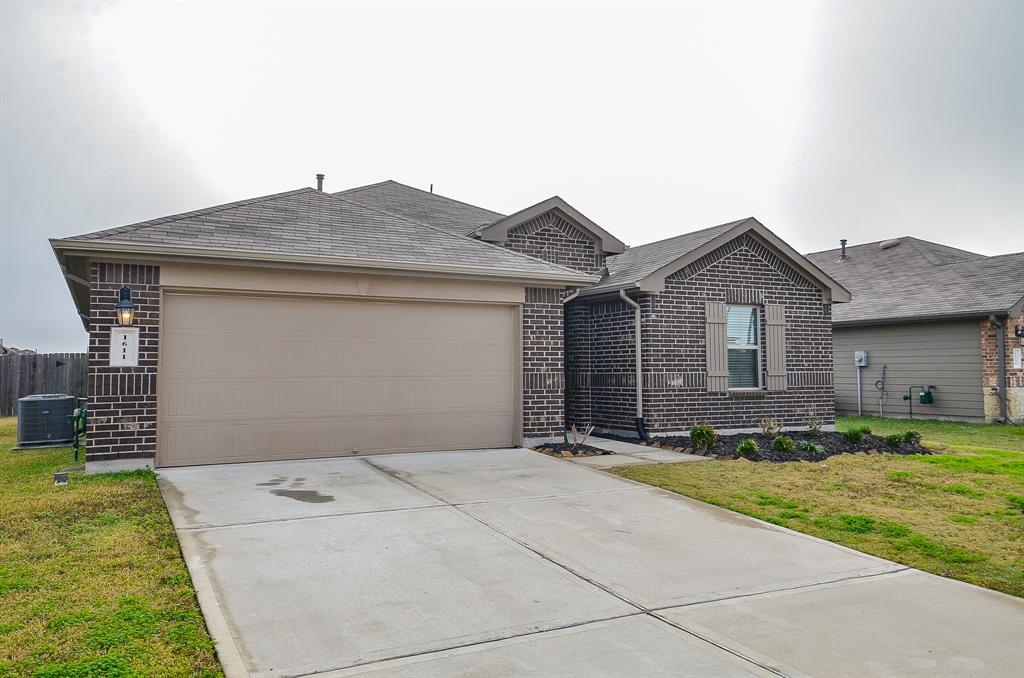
308, 496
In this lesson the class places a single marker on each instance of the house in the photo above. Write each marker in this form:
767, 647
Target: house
928, 316
13, 350
386, 319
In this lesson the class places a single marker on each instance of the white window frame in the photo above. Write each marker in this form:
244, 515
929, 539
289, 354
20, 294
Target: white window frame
755, 347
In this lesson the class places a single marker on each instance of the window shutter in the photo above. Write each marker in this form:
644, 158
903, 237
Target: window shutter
775, 345
715, 346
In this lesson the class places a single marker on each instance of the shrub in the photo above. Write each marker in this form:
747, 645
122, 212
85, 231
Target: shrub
912, 437
856, 434
814, 426
748, 448
814, 448
703, 436
895, 439
783, 444
770, 427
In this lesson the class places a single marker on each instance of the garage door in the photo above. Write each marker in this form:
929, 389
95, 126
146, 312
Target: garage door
259, 378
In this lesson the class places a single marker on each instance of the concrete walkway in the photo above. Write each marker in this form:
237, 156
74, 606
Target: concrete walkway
509, 563
628, 454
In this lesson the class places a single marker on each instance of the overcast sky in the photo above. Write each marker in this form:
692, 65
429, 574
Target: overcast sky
862, 120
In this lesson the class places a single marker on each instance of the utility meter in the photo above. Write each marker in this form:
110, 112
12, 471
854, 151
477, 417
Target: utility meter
860, 358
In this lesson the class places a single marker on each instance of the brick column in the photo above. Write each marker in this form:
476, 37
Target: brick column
543, 379
122, 400
990, 370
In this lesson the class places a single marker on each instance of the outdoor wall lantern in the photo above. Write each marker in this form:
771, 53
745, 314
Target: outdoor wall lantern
125, 308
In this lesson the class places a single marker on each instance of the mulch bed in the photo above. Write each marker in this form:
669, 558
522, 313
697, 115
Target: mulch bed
832, 442
557, 449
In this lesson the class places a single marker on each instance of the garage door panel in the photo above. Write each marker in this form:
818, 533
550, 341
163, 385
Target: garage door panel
250, 378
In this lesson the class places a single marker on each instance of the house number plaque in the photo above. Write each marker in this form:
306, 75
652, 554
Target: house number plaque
124, 346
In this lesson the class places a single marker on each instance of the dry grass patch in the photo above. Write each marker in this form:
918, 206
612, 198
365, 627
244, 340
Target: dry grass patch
91, 578
958, 514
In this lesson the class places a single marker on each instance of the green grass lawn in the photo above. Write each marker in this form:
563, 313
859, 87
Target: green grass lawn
958, 513
91, 579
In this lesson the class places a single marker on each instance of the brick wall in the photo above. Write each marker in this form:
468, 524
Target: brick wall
122, 400
990, 370
554, 239
543, 378
672, 328
578, 361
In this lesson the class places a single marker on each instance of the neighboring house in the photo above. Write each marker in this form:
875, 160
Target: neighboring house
11, 350
386, 318
928, 315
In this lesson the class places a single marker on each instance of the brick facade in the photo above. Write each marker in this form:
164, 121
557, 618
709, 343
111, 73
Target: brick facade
122, 400
673, 335
990, 370
543, 355
554, 239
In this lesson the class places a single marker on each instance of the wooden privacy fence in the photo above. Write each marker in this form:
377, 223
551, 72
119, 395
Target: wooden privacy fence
22, 375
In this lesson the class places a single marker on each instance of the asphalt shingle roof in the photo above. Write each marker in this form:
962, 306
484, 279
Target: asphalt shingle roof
636, 263
422, 206
309, 222
921, 279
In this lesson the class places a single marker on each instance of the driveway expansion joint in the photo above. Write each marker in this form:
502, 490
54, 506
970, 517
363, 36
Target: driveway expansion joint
466, 645
754, 594
641, 610
293, 519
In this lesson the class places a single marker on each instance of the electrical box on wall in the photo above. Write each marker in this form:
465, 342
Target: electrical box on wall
860, 358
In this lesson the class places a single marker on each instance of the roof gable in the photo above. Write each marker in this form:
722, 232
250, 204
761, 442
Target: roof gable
646, 267
498, 231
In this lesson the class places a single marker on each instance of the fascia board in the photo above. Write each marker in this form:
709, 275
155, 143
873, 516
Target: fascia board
92, 249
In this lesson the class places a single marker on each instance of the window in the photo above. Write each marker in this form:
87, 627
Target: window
741, 331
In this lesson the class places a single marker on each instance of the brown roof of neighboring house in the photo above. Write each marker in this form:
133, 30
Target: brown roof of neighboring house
914, 279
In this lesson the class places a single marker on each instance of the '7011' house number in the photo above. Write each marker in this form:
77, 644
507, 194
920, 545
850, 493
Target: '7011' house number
124, 346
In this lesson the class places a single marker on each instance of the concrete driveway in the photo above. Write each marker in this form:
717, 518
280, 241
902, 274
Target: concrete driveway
510, 563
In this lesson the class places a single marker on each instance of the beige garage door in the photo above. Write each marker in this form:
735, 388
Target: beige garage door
250, 379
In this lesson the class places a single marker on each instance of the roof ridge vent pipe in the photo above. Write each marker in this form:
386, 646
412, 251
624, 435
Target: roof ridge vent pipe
842, 250
640, 431
320, 182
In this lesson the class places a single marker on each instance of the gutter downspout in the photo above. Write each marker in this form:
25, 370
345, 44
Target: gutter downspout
1001, 343
639, 373
565, 370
